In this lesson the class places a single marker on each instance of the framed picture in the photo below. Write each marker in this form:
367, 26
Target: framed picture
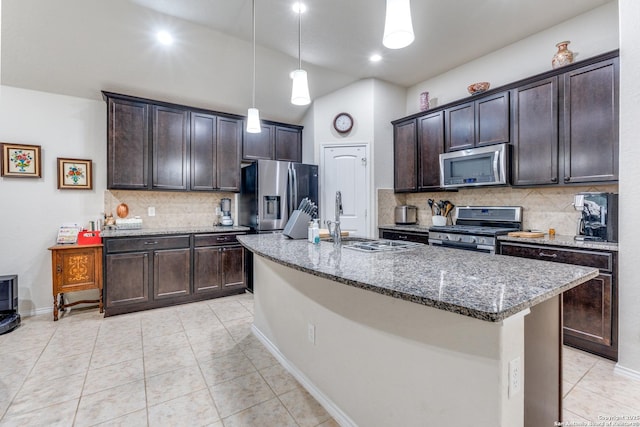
75, 173
21, 160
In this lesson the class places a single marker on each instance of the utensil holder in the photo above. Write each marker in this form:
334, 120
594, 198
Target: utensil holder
298, 225
439, 220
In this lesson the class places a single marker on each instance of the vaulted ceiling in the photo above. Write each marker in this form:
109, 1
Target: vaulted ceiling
79, 47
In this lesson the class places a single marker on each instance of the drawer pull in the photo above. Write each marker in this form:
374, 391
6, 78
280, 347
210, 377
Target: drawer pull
548, 255
151, 243
221, 239
402, 237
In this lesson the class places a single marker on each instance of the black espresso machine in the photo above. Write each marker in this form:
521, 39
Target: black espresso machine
599, 216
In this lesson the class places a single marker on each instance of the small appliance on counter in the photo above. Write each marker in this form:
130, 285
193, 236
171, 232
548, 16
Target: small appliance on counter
599, 216
406, 214
225, 207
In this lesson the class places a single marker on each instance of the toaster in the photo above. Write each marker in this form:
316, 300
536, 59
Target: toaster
406, 214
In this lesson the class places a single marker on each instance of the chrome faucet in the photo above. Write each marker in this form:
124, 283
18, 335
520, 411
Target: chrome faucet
336, 233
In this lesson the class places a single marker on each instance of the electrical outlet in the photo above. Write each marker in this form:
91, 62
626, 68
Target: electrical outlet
311, 333
515, 377
151, 211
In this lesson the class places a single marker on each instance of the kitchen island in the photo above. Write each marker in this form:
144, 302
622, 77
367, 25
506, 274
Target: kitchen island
426, 336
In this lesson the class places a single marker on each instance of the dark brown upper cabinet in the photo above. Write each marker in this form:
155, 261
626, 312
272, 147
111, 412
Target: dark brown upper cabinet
590, 123
430, 146
275, 142
288, 144
405, 156
170, 148
566, 127
228, 153
153, 145
484, 121
535, 133
127, 144
417, 145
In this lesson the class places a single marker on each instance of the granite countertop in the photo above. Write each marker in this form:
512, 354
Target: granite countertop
557, 240
562, 240
482, 286
140, 232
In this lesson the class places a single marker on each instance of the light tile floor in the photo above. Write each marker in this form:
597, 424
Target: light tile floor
190, 365
199, 364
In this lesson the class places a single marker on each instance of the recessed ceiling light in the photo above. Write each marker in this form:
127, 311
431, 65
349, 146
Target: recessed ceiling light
375, 58
299, 6
164, 37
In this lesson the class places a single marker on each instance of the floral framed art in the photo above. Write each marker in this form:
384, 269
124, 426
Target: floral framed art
21, 160
75, 174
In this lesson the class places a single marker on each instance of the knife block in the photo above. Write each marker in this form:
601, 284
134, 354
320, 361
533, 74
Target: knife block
298, 225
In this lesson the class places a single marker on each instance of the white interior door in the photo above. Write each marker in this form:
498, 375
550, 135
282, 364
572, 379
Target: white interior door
345, 168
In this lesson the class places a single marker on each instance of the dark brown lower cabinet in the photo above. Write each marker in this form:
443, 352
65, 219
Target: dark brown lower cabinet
157, 271
171, 273
590, 310
218, 264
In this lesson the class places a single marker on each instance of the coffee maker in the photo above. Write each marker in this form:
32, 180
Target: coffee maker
225, 207
598, 216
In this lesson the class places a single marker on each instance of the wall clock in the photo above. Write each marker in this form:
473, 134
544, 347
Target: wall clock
343, 123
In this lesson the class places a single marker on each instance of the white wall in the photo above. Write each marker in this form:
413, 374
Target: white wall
388, 100
591, 33
32, 209
372, 104
629, 295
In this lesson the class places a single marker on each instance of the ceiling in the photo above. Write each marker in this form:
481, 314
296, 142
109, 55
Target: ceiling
79, 47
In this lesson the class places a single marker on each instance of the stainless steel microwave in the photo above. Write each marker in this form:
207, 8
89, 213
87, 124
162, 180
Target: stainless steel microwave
474, 167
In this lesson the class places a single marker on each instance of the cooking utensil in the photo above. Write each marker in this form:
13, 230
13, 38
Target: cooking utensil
430, 202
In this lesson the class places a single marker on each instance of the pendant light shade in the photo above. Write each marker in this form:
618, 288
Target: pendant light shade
253, 121
253, 115
398, 29
300, 87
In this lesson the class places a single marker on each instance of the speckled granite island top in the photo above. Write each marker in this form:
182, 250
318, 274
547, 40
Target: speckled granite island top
482, 286
141, 232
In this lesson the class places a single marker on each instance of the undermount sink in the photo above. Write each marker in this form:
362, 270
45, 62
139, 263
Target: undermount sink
380, 245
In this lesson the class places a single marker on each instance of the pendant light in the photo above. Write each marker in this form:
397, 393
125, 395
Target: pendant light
300, 88
253, 115
398, 29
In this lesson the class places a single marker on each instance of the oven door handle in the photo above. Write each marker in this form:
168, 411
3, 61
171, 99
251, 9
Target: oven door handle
462, 245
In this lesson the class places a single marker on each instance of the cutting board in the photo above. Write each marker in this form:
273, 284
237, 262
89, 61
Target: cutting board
526, 234
324, 233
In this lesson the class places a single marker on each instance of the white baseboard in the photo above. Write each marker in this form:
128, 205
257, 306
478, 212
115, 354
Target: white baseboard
334, 410
630, 373
37, 311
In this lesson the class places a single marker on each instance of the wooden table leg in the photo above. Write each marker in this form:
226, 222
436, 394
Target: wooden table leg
55, 307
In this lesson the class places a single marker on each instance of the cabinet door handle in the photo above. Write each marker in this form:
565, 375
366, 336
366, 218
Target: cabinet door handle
566, 179
554, 179
548, 255
58, 268
150, 243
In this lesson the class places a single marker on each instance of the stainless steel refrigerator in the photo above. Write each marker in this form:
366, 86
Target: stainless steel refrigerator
271, 190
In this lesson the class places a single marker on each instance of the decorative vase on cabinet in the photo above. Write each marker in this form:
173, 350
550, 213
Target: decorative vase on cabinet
563, 56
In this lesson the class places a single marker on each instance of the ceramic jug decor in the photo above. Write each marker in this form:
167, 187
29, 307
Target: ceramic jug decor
563, 56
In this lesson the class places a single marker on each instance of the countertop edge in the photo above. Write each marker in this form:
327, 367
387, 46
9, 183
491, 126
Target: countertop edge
449, 307
141, 232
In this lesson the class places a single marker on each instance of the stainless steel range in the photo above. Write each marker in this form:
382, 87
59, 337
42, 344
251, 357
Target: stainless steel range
477, 227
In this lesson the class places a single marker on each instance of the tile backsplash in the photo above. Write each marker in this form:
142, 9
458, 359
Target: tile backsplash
543, 208
173, 209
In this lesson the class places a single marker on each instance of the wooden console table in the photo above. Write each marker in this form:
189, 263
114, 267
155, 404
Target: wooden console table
75, 268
